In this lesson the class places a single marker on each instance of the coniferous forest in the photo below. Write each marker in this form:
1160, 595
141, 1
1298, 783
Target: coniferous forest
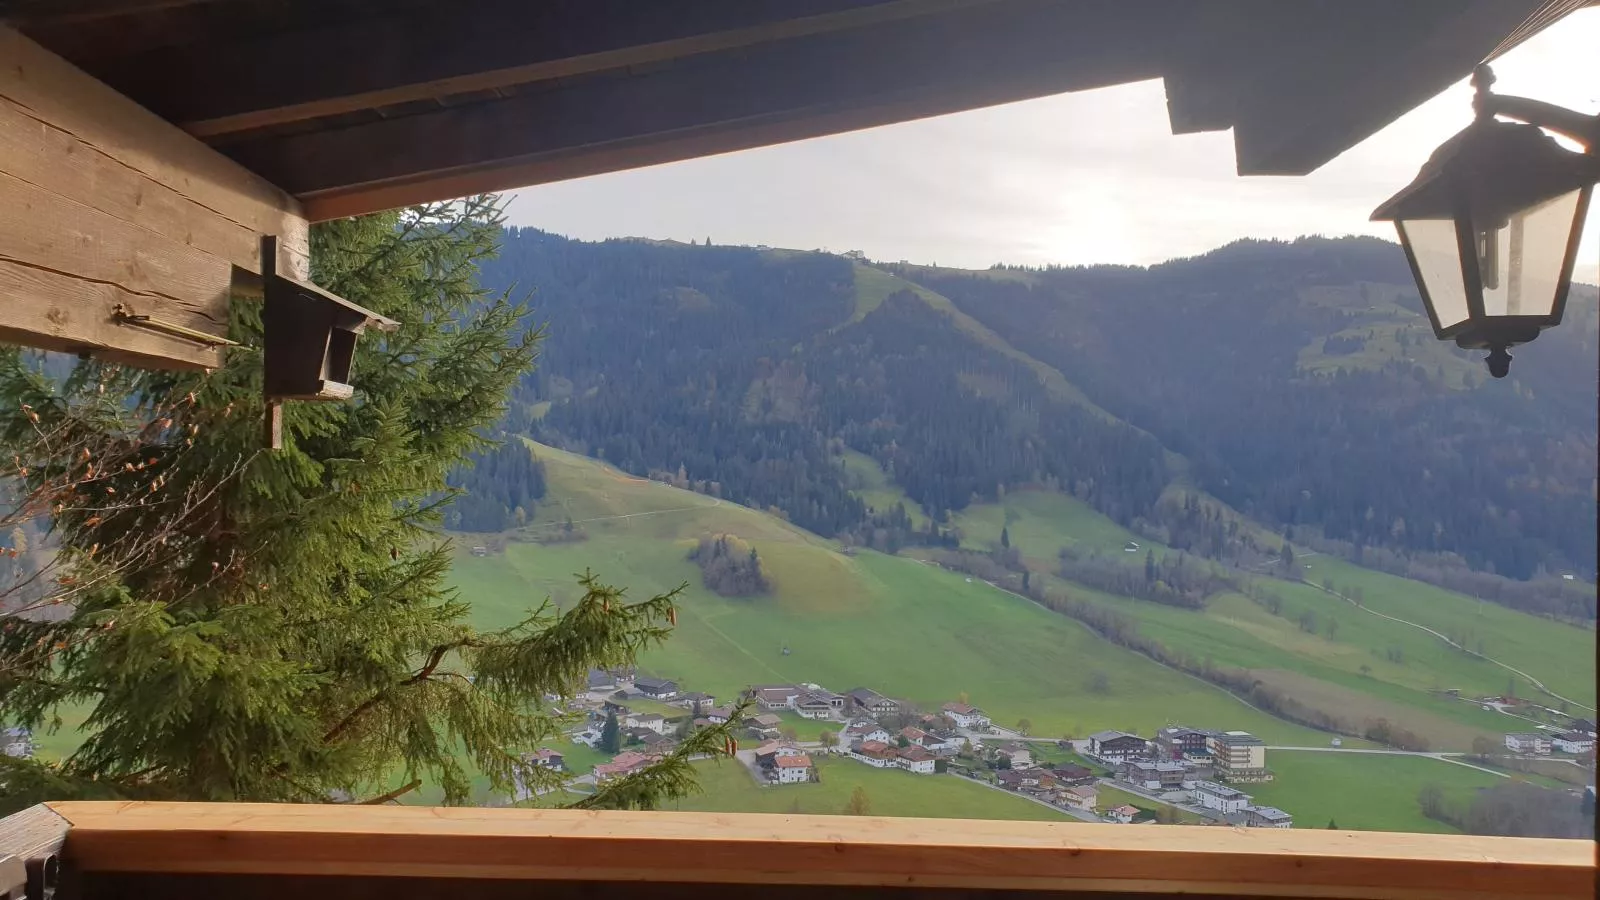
1295, 382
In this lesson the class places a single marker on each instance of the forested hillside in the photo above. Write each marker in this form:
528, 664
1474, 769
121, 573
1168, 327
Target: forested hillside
1296, 383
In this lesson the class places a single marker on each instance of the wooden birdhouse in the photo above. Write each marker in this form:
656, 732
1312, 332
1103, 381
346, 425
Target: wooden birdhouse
308, 341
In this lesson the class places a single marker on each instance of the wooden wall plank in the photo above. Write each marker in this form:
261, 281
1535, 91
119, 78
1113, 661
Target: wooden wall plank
41, 154
819, 850
49, 90
65, 266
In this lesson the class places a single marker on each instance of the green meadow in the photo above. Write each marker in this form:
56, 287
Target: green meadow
1362, 791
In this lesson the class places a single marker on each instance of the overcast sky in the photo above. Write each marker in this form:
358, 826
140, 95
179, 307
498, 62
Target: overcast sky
1090, 177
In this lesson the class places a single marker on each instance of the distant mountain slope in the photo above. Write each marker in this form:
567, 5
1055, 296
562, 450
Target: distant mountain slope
904, 628
915, 631
1305, 385
1295, 382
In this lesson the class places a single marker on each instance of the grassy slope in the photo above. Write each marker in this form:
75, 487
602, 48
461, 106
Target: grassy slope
1324, 669
873, 285
1380, 321
904, 628
728, 787
1359, 791
872, 485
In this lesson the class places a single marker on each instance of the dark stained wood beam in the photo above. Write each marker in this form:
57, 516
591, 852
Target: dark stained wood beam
54, 12
1332, 99
463, 47
717, 103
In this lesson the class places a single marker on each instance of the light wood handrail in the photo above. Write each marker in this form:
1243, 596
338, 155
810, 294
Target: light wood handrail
824, 850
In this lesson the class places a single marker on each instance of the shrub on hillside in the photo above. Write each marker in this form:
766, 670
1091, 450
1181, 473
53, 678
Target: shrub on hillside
730, 566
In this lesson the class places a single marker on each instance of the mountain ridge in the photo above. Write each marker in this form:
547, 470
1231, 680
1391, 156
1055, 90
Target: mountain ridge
821, 362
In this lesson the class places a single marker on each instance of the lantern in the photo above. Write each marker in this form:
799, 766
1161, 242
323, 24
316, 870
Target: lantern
1492, 222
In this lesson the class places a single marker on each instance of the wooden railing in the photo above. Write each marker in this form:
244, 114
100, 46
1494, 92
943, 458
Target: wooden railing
241, 851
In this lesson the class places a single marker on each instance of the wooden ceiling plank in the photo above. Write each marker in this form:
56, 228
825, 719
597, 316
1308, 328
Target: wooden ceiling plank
468, 843
911, 71
457, 49
66, 12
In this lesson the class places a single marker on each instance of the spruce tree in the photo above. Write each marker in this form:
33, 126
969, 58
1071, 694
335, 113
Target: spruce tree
611, 734
288, 634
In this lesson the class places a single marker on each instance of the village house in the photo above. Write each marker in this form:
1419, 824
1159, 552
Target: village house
872, 703
1223, 799
1122, 815
765, 720
943, 744
625, 763
1239, 756
1267, 817
1080, 797
818, 704
769, 753
1013, 779
656, 688
690, 699
654, 721
1528, 742
654, 741
1178, 742
794, 769
1584, 726
863, 732
543, 758
775, 696
1117, 746
965, 715
1070, 774
16, 742
601, 680
1154, 776
546, 758
916, 759
1017, 756
1572, 742
875, 753
717, 715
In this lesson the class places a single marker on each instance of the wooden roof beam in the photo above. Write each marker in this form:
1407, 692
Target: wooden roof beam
464, 47
713, 104
1295, 122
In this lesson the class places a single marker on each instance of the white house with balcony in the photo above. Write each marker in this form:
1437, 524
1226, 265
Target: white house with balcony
1529, 742
1220, 797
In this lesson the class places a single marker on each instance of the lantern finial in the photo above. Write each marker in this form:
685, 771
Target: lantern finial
1499, 361
1482, 99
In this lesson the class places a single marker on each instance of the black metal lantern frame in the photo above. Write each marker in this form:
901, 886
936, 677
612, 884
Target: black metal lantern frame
1497, 212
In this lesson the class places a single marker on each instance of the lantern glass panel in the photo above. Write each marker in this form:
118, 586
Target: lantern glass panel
1437, 256
1521, 258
